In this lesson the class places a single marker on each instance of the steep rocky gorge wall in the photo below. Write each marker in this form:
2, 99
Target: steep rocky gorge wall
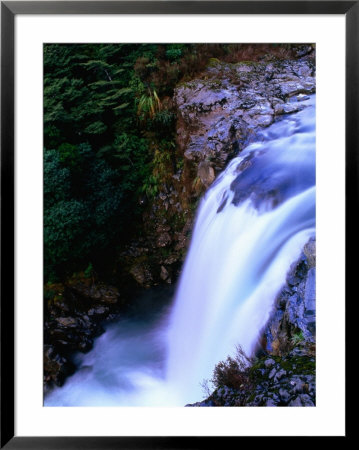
222, 113
294, 316
218, 115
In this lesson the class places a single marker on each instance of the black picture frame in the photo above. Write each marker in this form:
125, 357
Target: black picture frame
9, 9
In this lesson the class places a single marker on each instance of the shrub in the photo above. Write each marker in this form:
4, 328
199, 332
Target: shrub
173, 54
56, 179
149, 105
88, 203
233, 372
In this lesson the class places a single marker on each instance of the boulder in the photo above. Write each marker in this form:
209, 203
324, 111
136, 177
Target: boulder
141, 274
206, 173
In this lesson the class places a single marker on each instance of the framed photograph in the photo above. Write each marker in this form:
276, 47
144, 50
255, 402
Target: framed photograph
172, 174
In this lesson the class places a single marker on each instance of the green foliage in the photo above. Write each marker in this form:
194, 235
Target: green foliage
174, 54
69, 155
163, 123
57, 179
297, 338
149, 105
85, 91
86, 204
49, 293
64, 225
150, 186
96, 128
161, 168
109, 133
137, 86
213, 61
89, 271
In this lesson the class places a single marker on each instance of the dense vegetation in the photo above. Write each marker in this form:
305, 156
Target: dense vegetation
103, 122
109, 140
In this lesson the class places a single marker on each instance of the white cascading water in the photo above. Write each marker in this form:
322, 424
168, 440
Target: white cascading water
251, 226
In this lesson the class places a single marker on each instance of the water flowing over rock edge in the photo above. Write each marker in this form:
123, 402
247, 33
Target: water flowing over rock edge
265, 91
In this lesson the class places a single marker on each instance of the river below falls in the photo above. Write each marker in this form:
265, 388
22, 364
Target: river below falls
125, 360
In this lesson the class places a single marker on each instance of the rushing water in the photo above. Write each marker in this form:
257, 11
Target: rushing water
251, 225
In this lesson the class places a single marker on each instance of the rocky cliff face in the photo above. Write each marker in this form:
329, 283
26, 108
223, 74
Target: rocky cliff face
293, 319
223, 111
218, 114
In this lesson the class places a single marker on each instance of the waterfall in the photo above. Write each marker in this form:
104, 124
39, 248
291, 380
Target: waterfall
251, 226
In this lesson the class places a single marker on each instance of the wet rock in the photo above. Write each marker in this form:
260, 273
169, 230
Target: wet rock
56, 368
67, 321
93, 292
310, 253
163, 239
287, 108
280, 374
164, 273
171, 259
297, 385
182, 242
269, 362
293, 318
206, 173
141, 274
98, 311
306, 400
215, 113
290, 88
284, 394
272, 373
296, 402
309, 293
